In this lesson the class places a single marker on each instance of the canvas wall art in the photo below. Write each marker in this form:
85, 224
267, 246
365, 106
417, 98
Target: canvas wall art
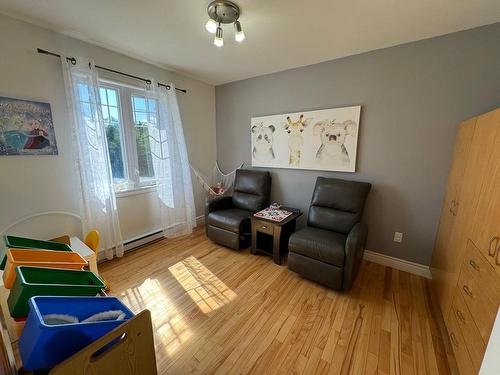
322, 140
26, 128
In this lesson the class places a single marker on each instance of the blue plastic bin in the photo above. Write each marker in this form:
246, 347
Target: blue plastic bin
44, 346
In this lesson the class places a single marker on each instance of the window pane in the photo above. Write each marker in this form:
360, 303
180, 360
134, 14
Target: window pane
105, 113
102, 94
115, 151
112, 98
86, 110
139, 103
83, 92
111, 116
144, 111
151, 105
141, 118
144, 153
152, 118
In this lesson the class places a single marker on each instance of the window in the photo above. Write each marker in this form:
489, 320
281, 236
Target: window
127, 116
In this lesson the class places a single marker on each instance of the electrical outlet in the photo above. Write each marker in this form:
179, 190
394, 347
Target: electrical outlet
398, 237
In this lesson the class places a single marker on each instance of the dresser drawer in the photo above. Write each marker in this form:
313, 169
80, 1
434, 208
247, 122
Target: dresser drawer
480, 287
467, 326
464, 362
264, 227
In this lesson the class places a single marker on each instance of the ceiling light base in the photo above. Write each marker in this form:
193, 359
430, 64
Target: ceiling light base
223, 11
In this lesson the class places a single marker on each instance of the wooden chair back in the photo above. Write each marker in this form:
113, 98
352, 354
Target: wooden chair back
92, 240
127, 350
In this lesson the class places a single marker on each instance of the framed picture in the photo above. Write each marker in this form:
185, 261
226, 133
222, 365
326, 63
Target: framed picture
26, 128
326, 139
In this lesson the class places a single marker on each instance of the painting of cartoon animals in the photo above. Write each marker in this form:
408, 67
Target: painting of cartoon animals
26, 128
325, 139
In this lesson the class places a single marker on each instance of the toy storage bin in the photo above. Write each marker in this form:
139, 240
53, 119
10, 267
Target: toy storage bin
34, 281
42, 345
28, 243
39, 258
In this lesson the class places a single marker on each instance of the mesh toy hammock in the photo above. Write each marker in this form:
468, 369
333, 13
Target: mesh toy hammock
219, 183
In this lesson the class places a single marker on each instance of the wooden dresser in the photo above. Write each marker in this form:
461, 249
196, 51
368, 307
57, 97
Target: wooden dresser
466, 260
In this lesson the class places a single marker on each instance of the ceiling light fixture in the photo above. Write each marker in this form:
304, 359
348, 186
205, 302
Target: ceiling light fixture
223, 12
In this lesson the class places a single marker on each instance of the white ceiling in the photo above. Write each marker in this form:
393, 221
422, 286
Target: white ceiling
281, 34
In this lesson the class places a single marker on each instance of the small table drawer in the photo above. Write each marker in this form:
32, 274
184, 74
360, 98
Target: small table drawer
264, 227
464, 362
480, 288
467, 326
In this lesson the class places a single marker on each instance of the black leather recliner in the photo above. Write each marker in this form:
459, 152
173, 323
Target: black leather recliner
330, 248
227, 219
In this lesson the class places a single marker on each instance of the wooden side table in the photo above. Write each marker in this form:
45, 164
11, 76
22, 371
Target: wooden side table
271, 237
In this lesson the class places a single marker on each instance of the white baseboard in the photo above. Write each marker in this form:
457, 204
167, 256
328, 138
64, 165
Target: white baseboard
399, 264
200, 219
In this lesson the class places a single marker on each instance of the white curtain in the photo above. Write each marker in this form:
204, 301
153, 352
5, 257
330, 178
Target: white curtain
98, 201
171, 164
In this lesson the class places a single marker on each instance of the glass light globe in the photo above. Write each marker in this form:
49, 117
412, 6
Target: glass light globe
239, 37
211, 26
218, 41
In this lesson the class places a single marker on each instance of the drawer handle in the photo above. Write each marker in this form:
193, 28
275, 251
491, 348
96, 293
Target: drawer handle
460, 315
490, 252
264, 227
454, 207
474, 265
467, 290
454, 339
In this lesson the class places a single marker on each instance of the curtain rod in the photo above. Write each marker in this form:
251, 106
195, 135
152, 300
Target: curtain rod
72, 60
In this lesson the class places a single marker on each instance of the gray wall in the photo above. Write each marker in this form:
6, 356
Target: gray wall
413, 96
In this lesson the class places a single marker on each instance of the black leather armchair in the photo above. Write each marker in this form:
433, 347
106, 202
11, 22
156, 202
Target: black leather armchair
330, 248
227, 219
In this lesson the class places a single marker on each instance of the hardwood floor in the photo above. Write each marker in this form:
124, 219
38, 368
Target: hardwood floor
219, 311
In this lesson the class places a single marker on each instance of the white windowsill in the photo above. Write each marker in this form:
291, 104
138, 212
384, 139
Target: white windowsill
136, 191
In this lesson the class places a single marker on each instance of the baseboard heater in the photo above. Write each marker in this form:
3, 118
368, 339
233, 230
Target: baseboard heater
144, 239
155, 235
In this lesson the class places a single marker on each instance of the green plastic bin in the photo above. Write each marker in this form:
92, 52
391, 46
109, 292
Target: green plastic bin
28, 243
36, 281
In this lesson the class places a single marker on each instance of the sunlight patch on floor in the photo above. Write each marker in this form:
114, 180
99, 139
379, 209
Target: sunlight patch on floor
169, 327
204, 288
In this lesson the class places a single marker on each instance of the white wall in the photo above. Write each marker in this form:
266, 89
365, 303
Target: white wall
32, 184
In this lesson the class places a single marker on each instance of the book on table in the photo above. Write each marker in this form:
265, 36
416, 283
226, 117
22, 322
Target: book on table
273, 214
